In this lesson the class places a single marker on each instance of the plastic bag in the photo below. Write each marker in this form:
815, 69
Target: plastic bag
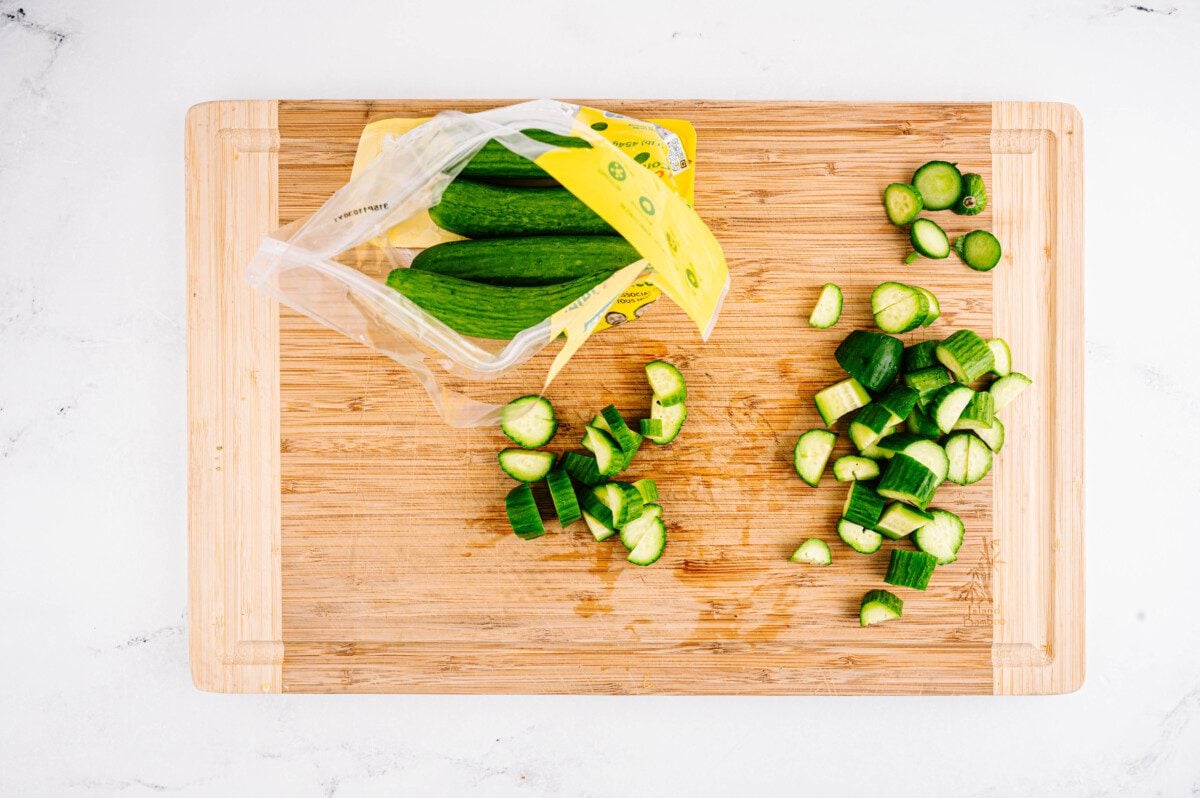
331, 265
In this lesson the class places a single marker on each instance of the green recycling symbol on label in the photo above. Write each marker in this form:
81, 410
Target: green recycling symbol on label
616, 171
647, 205
691, 278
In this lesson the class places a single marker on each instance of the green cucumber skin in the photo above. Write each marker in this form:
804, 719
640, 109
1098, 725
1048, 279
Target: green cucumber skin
482, 210
928, 180
870, 357
919, 356
890, 602
487, 311
496, 162
538, 260
910, 569
562, 494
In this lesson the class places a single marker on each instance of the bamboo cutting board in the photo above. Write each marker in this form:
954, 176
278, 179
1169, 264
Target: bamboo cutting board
342, 539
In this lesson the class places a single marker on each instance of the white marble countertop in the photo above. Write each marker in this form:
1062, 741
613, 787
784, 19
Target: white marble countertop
96, 694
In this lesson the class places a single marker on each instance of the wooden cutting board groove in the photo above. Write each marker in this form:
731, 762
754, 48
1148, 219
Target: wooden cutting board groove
343, 540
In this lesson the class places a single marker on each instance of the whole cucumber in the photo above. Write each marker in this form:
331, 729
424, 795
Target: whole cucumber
487, 311
482, 210
539, 260
497, 162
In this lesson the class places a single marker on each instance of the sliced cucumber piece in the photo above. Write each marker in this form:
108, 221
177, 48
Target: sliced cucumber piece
896, 442
929, 239
902, 202
813, 551
582, 468
926, 452
979, 249
935, 307
1001, 357
524, 465
920, 356
875, 453
869, 425
939, 183
863, 505
529, 421
671, 417
599, 529
871, 358
623, 501
631, 533
648, 488
562, 493
942, 537
993, 436
979, 460
839, 399
910, 569
879, 606
921, 424
626, 438
850, 467
908, 480
812, 453
887, 294
948, 404
978, 414
974, 196
862, 540
650, 545
927, 381
523, 513
1007, 388
966, 355
899, 520
666, 383
828, 308
610, 457
899, 401
903, 315
970, 458
650, 427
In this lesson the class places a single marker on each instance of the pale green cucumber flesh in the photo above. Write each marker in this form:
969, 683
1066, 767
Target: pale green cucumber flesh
813, 551
528, 421
828, 309
939, 183
811, 453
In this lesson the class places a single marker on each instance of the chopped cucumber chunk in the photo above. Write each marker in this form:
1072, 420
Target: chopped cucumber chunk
1001, 357
920, 356
839, 399
942, 537
562, 493
632, 532
966, 355
666, 382
906, 313
948, 404
978, 414
863, 505
869, 425
979, 249
993, 436
899, 401
902, 202
1007, 388
648, 488
610, 458
813, 551
908, 480
670, 419
812, 453
970, 458
582, 468
650, 545
879, 606
528, 421
828, 308
599, 529
849, 468
871, 358
939, 183
929, 239
523, 513
899, 520
524, 465
910, 569
862, 540
626, 438
935, 307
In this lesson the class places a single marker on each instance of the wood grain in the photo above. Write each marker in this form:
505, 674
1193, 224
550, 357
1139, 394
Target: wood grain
234, 571
399, 572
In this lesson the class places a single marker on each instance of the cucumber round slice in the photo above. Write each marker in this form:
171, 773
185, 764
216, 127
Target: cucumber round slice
993, 436
812, 453
524, 465
631, 533
650, 545
562, 493
813, 551
974, 196
979, 460
871, 358
947, 405
529, 421
970, 458
666, 382
942, 537
523, 513
902, 316
902, 202
671, 417
851, 467
939, 183
929, 239
979, 249
862, 540
828, 308
879, 606
935, 307
910, 569
887, 294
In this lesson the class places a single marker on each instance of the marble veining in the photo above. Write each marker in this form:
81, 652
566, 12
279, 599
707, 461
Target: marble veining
97, 699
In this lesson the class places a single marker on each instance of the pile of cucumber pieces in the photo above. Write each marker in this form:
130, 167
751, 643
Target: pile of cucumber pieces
951, 432
582, 487
939, 186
